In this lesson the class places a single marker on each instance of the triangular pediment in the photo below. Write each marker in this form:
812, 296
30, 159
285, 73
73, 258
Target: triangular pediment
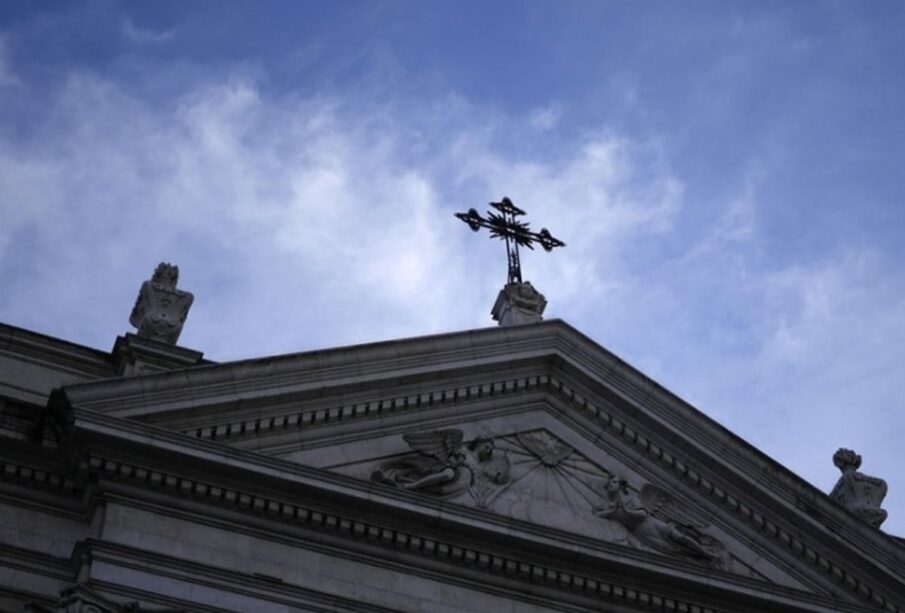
538, 426
537, 477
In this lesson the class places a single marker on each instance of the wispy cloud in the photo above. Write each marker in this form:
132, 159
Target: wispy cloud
324, 217
8, 77
545, 118
308, 221
144, 36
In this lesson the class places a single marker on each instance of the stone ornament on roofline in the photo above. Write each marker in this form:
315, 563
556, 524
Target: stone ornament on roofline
518, 303
857, 492
161, 309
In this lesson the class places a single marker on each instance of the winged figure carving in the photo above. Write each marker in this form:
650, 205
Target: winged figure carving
445, 466
656, 519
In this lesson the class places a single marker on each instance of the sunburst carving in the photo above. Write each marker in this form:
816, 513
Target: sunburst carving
536, 477
549, 479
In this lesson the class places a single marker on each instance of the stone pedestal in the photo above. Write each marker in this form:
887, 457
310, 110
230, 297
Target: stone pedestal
517, 304
134, 355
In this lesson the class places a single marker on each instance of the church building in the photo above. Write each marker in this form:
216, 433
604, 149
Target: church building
519, 468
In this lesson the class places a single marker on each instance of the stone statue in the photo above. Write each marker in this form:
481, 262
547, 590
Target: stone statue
446, 467
518, 303
860, 494
657, 521
161, 309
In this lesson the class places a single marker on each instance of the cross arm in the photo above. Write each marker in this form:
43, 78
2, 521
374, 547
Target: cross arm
505, 229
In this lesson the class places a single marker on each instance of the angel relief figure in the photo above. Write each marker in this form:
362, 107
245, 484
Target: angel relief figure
655, 518
447, 467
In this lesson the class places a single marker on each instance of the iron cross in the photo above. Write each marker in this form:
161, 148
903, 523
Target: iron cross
504, 225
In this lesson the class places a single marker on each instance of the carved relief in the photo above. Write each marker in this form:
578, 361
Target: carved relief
446, 467
536, 477
658, 521
161, 309
860, 494
549, 451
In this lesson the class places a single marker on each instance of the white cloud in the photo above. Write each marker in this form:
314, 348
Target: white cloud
545, 118
306, 222
144, 36
304, 201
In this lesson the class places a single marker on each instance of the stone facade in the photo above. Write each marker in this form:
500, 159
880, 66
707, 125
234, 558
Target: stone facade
521, 468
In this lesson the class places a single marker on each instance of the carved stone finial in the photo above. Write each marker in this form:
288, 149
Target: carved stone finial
161, 309
860, 494
518, 303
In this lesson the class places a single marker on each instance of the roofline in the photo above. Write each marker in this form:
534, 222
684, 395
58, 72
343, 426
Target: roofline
61, 352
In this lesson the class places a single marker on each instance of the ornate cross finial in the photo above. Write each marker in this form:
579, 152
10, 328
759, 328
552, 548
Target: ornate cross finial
504, 225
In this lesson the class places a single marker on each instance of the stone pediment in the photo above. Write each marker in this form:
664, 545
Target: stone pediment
536, 427
536, 477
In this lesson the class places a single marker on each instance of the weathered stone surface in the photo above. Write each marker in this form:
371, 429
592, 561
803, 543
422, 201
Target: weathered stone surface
522, 468
161, 309
83, 599
517, 304
134, 355
857, 492
658, 521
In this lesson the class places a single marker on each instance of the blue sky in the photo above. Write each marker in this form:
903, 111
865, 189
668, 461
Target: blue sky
727, 175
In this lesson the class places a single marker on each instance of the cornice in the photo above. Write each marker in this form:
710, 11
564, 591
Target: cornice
34, 562
25, 474
284, 376
626, 403
55, 353
327, 486
216, 578
352, 411
566, 577
875, 543
743, 507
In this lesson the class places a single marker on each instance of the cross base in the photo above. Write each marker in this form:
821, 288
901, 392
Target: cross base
517, 304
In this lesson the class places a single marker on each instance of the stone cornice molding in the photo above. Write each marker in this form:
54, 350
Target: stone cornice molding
753, 507
36, 562
259, 470
297, 374
744, 505
349, 412
134, 355
56, 353
570, 574
618, 399
255, 585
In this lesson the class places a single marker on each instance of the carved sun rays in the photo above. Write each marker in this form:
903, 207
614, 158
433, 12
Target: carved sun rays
551, 472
